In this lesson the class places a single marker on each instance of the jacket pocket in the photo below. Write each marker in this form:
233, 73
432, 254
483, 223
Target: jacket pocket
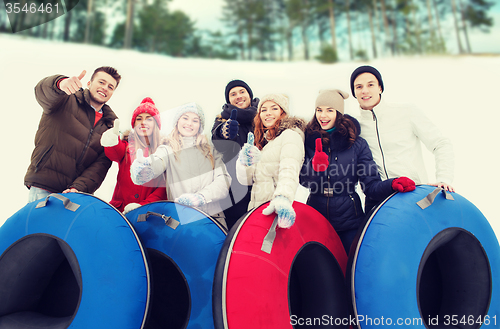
43, 159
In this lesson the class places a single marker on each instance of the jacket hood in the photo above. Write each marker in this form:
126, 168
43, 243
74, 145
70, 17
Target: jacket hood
292, 122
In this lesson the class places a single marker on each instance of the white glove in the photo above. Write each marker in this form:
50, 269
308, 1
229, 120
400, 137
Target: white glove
191, 199
141, 170
130, 207
111, 136
249, 153
283, 208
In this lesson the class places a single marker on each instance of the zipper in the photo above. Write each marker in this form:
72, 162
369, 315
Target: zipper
328, 180
85, 148
354, 202
380, 144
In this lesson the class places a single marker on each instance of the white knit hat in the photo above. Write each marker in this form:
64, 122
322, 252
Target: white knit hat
194, 108
280, 99
333, 98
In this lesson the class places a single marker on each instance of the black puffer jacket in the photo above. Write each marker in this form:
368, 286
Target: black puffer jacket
348, 166
68, 151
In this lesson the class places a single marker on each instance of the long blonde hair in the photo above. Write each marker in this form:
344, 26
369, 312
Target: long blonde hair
136, 142
174, 140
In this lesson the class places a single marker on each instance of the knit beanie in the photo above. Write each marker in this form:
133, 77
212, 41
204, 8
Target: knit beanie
333, 98
280, 99
194, 108
237, 83
366, 69
147, 106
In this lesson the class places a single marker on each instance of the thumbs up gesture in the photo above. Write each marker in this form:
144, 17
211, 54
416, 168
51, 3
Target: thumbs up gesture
73, 84
249, 154
230, 128
320, 159
111, 136
141, 170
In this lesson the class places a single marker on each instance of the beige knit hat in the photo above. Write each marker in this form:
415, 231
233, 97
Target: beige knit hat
280, 99
333, 98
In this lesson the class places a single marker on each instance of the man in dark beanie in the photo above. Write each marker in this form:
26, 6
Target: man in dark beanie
229, 133
395, 132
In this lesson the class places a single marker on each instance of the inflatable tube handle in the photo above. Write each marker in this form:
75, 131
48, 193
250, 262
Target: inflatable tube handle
429, 199
267, 244
66, 202
169, 221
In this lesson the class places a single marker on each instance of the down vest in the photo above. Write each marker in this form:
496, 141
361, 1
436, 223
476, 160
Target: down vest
277, 172
68, 151
348, 165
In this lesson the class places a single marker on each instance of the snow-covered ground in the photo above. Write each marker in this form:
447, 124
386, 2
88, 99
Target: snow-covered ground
458, 93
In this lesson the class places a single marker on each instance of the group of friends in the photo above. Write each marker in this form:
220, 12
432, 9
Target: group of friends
258, 151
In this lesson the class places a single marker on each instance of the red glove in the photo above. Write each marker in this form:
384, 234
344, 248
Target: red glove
403, 184
320, 159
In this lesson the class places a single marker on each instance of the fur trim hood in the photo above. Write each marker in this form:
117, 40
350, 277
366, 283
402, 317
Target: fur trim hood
292, 122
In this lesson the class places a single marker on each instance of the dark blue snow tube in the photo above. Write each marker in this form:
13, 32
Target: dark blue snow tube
71, 261
437, 267
182, 245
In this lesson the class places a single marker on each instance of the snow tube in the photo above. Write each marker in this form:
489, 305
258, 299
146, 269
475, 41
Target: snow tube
432, 264
298, 279
71, 261
182, 244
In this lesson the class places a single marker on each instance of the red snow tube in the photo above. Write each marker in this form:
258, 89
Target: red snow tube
301, 280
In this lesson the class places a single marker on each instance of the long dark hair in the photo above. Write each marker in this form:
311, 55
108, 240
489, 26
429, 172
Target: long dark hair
343, 124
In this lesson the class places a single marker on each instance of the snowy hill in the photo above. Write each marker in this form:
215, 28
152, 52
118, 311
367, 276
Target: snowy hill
455, 92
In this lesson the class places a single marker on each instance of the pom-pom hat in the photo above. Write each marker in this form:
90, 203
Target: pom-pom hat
333, 98
147, 106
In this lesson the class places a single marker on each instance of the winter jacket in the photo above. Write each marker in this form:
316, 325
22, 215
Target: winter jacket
193, 173
125, 190
68, 152
239, 194
277, 172
394, 133
333, 192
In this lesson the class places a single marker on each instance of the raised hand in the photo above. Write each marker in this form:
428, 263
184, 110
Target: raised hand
230, 128
110, 137
320, 159
73, 84
141, 170
249, 154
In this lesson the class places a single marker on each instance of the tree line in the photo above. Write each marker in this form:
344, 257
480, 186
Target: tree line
275, 30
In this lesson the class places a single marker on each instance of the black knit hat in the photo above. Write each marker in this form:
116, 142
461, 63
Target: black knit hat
366, 69
237, 83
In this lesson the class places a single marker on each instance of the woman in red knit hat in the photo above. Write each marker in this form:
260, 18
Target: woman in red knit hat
145, 135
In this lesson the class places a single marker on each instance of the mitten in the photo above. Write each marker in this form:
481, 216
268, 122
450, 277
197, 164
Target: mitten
320, 159
249, 153
110, 137
230, 128
141, 170
403, 184
283, 208
191, 199
130, 207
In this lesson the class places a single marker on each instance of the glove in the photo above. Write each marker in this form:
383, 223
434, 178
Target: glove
320, 159
249, 153
191, 199
230, 128
130, 207
403, 184
110, 137
141, 170
283, 207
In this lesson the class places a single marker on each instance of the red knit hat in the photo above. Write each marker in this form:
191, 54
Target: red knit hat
147, 106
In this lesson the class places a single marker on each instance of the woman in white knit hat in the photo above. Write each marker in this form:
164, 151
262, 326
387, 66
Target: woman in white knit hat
272, 165
195, 173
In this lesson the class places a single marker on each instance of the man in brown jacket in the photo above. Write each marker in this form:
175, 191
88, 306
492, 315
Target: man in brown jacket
68, 156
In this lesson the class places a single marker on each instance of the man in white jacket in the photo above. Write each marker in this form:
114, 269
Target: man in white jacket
394, 133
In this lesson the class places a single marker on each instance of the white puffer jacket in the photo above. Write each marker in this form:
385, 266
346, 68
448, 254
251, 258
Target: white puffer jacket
277, 172
394, 133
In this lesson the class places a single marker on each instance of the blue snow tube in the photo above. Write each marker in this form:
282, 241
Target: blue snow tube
435, 264
182, 245
71, 261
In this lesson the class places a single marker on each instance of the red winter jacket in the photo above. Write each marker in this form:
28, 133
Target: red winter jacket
125, 190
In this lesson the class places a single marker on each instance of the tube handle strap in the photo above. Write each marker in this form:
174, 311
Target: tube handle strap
169, 221
66, 202
267, 244
429, 199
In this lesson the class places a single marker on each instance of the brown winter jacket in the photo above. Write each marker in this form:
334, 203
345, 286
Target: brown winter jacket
68, 152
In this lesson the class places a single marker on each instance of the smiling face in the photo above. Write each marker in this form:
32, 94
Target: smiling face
239, 97
144, 124
188, 124
270, 112
326, 117
101, 89
367, 90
